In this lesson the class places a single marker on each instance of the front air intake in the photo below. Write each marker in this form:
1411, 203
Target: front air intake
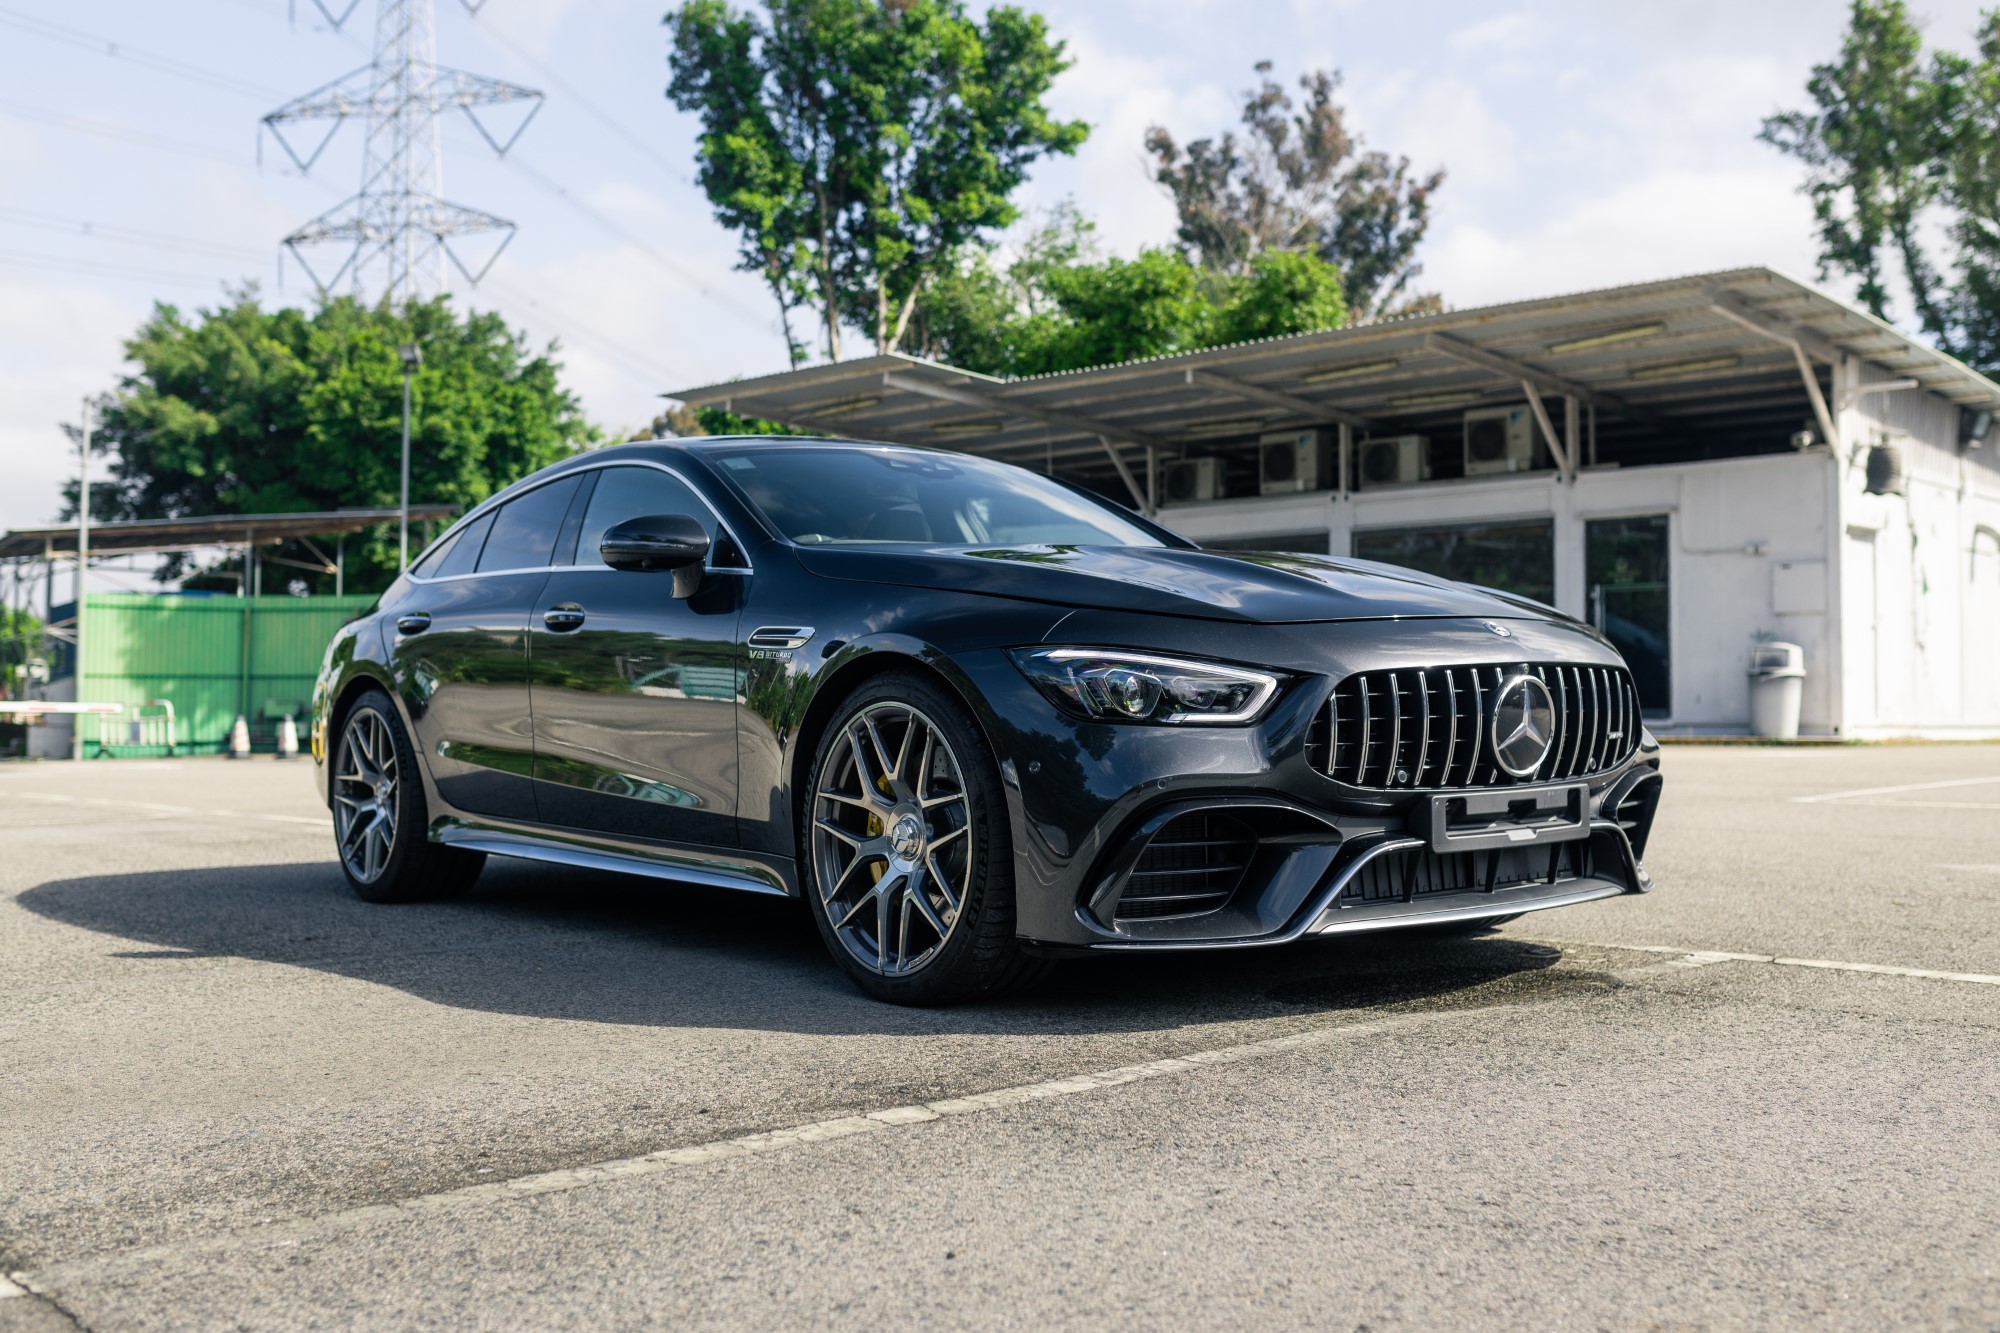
1417, 728
1190, 866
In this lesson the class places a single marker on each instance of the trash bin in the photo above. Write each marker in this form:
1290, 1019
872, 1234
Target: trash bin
1777, 682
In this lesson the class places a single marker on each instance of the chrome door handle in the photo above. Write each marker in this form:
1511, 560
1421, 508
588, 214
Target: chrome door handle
414, 623
562, 619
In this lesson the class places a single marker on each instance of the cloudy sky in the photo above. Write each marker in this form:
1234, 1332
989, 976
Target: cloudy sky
1586, 144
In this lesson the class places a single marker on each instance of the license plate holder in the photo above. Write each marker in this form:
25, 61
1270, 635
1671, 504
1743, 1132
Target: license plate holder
1513, 817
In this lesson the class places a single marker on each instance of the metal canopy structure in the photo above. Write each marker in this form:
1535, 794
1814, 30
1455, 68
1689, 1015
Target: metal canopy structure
180, 534
1705, 366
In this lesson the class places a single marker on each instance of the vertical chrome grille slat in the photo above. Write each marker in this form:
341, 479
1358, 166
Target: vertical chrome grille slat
1597, 707
1451, 731
1424, 741
1395, 731
1361, 764
1478, 729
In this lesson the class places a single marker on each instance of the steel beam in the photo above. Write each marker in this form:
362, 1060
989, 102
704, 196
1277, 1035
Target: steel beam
1565, 464
1257, 393
1507, 367
1820, 412
1110, 436
1775, 327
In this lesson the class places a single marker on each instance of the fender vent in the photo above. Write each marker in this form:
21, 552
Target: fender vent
1190, 866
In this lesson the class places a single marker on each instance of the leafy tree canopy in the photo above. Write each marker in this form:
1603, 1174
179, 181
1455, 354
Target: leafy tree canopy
1903, 169
1060, 306
857, 146
1298, 180
242, 410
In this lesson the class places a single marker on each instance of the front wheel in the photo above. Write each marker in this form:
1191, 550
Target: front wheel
380, 817
905, 854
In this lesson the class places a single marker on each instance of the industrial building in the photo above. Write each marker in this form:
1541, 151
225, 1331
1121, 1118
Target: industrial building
1695, 466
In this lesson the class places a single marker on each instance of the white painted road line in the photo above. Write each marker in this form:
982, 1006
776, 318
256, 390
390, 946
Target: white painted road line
886, 1120
156, 809
1697, 957
1891, 791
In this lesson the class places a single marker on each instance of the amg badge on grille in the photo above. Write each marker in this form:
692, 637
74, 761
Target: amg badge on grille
1524, 725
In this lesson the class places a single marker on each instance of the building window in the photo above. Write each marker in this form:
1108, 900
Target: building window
1515, 557
1308, 543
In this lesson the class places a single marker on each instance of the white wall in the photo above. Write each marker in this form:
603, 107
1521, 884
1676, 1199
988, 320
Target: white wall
1752, 541
1920, 569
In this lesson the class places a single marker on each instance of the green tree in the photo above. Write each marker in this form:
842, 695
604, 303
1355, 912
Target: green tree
1061, 306
857, 146
1877, 145
1298, 180
20, 640
246, 410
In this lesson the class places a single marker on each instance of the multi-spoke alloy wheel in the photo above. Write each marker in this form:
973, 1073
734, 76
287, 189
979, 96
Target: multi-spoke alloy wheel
892, 838
364, 796
381, 817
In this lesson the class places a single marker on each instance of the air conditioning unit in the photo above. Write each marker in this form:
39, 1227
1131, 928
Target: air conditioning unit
1292, 461
1190, 479
1394, 461
1499, 439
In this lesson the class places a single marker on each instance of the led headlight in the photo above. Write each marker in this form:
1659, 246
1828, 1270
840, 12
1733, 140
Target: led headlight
1111, 685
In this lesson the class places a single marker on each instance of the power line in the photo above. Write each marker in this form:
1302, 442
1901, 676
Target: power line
100, 128
96, 268
677, 269
580, 334
57, 32
609, 121
28, 217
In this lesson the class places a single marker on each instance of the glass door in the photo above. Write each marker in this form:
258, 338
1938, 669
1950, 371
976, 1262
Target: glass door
1626, 569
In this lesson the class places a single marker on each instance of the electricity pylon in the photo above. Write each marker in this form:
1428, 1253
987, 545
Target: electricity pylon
397, 230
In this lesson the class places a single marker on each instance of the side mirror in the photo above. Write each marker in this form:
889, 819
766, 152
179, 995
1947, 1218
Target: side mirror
673, 542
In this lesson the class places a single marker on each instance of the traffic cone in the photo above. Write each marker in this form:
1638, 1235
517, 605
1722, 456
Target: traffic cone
288, 738
239, 739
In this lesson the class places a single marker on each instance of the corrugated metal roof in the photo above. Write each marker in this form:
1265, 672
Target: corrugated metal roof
1698, 356
170, 534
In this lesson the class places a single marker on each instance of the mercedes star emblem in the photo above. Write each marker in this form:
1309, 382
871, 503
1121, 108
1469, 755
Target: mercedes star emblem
1524, 725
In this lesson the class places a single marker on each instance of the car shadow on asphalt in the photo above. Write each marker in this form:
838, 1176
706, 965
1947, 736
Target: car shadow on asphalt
606, 948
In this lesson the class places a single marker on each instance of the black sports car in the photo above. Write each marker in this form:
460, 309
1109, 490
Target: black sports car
974, 717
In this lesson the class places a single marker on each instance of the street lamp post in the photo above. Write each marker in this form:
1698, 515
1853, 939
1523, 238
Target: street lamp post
82, 572
413, 356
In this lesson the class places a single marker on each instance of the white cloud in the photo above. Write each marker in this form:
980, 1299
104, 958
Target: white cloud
1510, 33
1671, 223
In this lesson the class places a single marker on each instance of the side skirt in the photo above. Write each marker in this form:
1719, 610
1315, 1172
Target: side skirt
679, 865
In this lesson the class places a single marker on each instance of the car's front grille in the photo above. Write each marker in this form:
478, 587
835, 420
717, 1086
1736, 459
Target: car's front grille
1422, 873
1430, 727
1191, 865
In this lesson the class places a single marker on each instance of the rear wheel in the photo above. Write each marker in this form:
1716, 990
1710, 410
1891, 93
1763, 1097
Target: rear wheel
380, 817
904, 849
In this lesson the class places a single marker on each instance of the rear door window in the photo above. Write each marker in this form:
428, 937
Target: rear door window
525, 528
461, 555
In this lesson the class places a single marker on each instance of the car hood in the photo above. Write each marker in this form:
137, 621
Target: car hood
1257, 587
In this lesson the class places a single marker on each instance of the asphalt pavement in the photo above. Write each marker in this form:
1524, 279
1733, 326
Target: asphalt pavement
1766, 1095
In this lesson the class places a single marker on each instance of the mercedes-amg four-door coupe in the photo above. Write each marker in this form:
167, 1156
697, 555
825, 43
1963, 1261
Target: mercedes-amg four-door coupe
975, 717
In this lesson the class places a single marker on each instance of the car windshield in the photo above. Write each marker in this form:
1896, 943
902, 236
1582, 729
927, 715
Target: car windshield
831, 494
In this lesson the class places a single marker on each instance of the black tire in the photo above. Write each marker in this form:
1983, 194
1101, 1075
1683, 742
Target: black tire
978, 956
398, 864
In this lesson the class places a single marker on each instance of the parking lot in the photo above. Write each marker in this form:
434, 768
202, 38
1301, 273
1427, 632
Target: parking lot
1768, 1094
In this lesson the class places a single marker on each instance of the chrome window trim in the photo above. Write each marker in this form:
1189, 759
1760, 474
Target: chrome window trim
495, 502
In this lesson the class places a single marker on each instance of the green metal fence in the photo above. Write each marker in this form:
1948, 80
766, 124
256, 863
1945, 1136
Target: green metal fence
212, 658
